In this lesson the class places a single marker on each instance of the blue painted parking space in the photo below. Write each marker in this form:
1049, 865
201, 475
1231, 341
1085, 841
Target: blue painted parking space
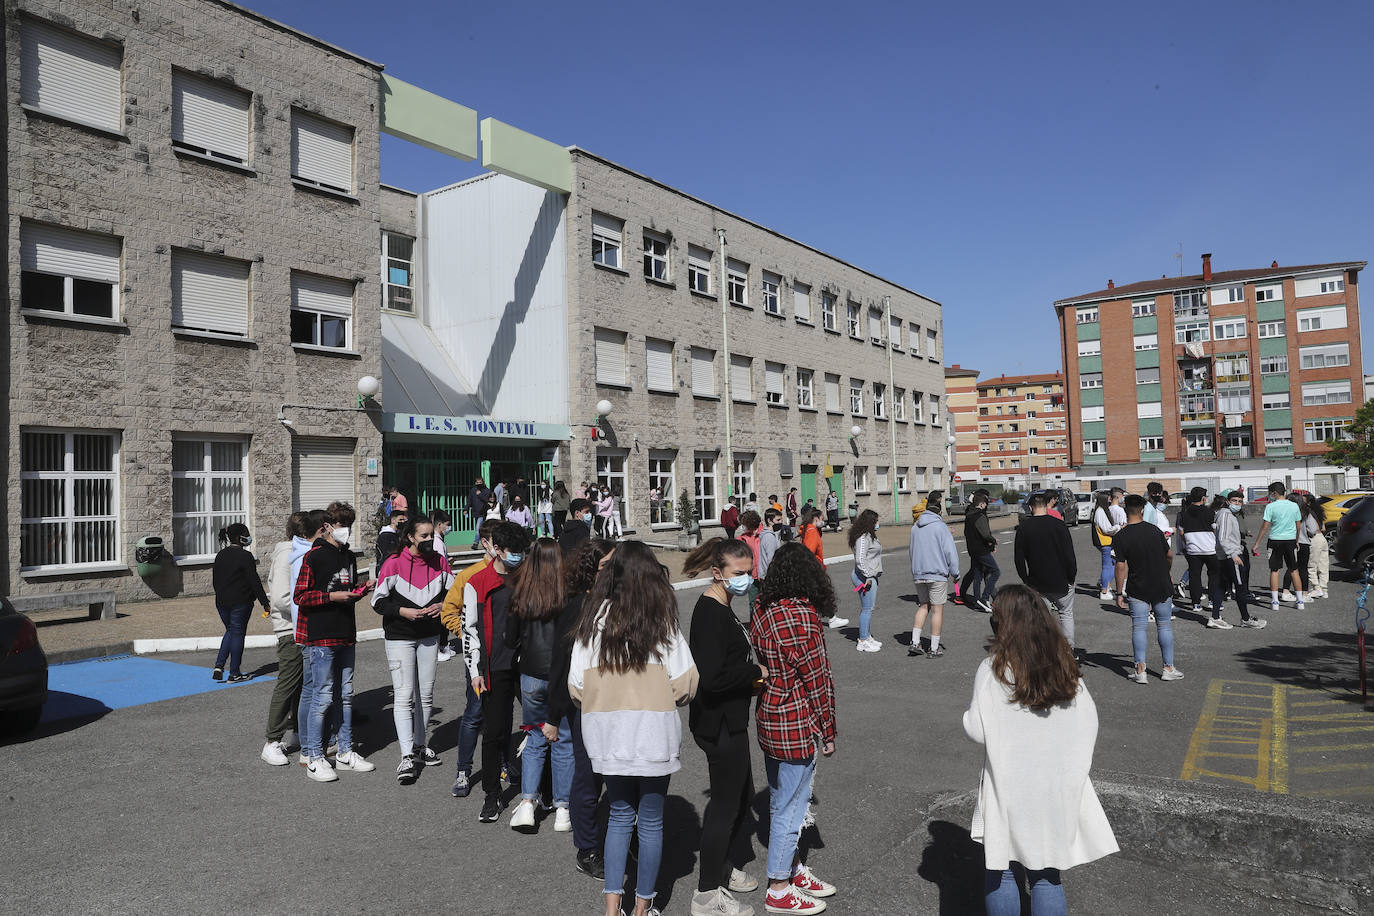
95, 686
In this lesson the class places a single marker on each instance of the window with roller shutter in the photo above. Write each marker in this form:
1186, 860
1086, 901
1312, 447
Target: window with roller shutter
703, 372
75, 273
659, 362
773, 382
322, 472
71, 76
321, 152
610, 357
741, 378
801, 301
832, 393
321, 311
210, 117
209, 293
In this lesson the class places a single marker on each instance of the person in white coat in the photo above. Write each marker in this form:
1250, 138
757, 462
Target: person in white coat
1038, 726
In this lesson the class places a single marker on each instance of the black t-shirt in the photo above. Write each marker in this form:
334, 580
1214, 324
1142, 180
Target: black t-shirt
1144, 550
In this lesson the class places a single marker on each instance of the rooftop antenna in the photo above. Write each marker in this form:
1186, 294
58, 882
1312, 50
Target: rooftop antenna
1179, 255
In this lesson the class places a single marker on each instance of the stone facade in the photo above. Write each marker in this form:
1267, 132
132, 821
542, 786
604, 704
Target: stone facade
644, 423
137, 377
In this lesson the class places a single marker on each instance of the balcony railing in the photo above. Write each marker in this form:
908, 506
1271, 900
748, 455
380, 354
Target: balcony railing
1278, 451
1238, 451
1197, 417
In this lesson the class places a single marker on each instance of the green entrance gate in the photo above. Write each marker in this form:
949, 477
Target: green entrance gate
440, 476
808, 486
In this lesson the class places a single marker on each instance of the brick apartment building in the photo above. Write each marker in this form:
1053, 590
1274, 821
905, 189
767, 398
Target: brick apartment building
961, 403
1022, 431
1237, 376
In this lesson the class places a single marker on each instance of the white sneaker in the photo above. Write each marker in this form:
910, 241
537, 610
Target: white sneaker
562, 820
719, 902
742, 883
837, 621
446, 653
274, 753
1104, 595
1316, 593
1302, 606
1288, 596
355, 762
1273, 605
1218, 623
1138, 675
523, 816
1255, 623
1171, 674
869, 645
320, 770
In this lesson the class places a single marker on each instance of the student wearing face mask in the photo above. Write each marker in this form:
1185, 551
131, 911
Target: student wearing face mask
410, 589
1233, 557
237, 585
770, 539
519, 513
868, 567
719, 720
578, 528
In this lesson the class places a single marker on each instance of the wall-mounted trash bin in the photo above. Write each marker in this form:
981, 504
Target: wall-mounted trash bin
150, 555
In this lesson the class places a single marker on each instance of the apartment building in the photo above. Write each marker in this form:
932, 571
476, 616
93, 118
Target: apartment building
1023, 431
191, 228
961, 395
1240, 376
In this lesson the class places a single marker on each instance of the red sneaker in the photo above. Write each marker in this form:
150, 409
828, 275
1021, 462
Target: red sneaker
805, 881
793, 901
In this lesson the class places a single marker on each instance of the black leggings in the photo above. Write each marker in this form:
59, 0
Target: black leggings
1304, 557
496, 729
725, 822
1196, 563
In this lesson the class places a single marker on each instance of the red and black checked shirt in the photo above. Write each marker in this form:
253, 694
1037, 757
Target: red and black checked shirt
308, 594
796, 709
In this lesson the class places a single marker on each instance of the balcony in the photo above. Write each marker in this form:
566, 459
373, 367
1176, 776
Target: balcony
1278, 451
1238, 451
1190, 417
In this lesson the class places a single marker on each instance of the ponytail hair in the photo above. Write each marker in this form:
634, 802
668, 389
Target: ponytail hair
714, 553
233, 535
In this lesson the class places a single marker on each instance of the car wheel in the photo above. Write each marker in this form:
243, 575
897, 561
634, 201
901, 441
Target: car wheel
1363, 558
20, 721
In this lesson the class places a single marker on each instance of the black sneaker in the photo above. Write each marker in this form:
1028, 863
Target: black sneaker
407, 771
427, 757
590, 863
491, 809
937, 652
238, 678
217, 674
462, 786
914, 650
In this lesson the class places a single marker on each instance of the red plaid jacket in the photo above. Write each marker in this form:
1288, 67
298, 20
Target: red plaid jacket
796, 709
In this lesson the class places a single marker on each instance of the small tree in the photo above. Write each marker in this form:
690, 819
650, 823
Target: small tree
1355, 447
686, 510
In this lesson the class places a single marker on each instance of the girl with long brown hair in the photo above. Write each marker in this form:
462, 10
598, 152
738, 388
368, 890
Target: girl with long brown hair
1038, 726
868, 567
630, 671
719, 720
536, 602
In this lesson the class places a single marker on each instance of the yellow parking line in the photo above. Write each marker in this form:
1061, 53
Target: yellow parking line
1334, 747
1342, 791
1279, 748
1339, 730
1335, 768
1202, 733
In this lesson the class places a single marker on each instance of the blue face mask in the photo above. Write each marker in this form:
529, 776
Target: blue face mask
1236, 509
738, 585
512, 560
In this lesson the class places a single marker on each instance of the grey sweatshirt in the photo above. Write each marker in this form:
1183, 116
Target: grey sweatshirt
1229, 543
868, 557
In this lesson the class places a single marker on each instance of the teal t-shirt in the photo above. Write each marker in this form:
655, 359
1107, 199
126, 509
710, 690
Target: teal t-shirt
1282, 516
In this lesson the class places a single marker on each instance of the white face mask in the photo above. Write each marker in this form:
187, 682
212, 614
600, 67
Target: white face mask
341, 536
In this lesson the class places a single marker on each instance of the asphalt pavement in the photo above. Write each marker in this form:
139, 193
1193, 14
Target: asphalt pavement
165, 806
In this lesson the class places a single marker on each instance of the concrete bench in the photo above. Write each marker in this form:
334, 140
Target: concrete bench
101, 603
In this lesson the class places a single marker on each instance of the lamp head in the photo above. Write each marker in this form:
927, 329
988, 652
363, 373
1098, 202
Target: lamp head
854, 432
603, 407
368, 386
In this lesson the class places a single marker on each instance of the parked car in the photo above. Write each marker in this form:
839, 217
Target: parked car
995, 507
1068, 504
1338, 504
1085, 506
23, 672
1355, 541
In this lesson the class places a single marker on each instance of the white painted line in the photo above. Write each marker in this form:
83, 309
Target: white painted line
202, 643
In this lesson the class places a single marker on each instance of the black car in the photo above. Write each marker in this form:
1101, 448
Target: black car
23, 672
1068, 505
1355, 535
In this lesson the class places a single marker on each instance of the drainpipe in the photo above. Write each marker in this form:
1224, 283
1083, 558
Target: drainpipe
892, 413
725, 348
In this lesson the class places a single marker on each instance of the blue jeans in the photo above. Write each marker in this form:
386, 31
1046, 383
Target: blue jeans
546, 524
325, 664
789, 792
534, 704
1108, 567
1002, 896
980, 582
469, 729
1140, 628
866, 602
235, 630
636, 806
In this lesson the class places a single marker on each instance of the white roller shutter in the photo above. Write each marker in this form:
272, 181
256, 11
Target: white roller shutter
801, 301
209, 115
741, 378
832, 393
894, 331
875, 324
703, 371
321, 151
610, 357
50, 250
209, 293
326, 295
773, 381
659, 356
322, 472
70, 75
605, 225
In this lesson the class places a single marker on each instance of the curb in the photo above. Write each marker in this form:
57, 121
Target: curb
63, 656
202, 643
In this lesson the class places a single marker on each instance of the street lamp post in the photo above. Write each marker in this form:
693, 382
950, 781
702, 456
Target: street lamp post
725, 347
892, 423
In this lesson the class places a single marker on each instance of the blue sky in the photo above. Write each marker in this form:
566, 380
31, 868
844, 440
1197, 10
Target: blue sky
994, 156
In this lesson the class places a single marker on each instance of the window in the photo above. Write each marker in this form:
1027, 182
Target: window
662, 487
1148, 376
1093, 414
984, 446
699, 269
880, 401
832, 393
1234, 368
852, 319
1090, 348
882, 474
1267, 293
658, 359
1086, 315
1324, 357
914, 338
1016, 462
1201, 444
1152, 443
1000, 427
856, 397
1271, 329
610, 356
934, 410
1149, 410
931, 351
1197, 406
827, 311
1030, 396
211, 294
773, 382
1228, 329
74, 273
704, 486
1278, 439
860, 478
806, 395
801, 301
1094, 446
894, 332
610, 475
1233, 399
1322, 393
1237, 443
321, 152
1190, 303
1225, 295
1090, 380
1272, 365
1331, 286
987, 465
210, 117
769, 284
875, 325
703, 372
1015, 427
321, 311
741, 378
903, 481
742, 480
656, 256
1142, 308
69, 499
917, 403
209, 492
899, 404
1280, 400
71, 76
322, 470
607, 238
1324, 430
1001, 463
396, 273
1191, 332
1321, 319
737, 282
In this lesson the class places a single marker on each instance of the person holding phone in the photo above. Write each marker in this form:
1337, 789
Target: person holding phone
410, 593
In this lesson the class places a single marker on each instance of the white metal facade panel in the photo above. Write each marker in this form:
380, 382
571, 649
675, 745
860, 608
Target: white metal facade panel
741, 377
209, 293
659, 362
610, 356
325, 295
210, 115
321, 151
322, 471
703, 371
50, 250
496, 293
71, 75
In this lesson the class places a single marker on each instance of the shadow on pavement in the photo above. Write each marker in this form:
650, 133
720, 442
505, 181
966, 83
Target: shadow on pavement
953, 861
63, 712
1118, 665
1332, 666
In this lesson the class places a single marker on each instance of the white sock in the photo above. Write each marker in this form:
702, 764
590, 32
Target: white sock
797, 869
915, 636
1273, 596
934, 643
1301, 596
